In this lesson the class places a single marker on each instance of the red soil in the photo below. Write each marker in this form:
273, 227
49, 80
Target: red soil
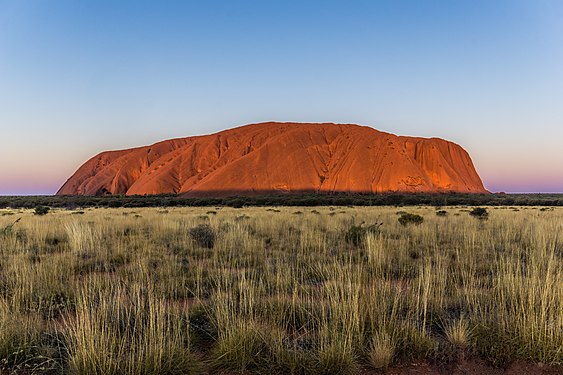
472, 366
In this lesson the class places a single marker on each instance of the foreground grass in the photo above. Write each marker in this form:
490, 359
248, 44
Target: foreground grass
277, 290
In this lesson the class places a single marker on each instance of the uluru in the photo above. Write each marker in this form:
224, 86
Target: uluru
275, 158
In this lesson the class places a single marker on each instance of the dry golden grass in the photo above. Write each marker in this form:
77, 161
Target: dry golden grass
280, 290
382, 351
458, 333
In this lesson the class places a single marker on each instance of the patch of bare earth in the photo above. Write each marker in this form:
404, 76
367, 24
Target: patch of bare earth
473, 366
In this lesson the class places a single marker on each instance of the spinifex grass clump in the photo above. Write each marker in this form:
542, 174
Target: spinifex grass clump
121, 331
381, 352
458, 334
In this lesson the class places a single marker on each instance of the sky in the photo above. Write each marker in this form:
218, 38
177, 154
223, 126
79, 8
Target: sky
80, 77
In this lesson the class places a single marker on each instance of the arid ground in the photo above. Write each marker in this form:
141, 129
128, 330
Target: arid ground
272, 290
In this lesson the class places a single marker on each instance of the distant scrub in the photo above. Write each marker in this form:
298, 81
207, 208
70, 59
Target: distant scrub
479, 213
336, 199
41, 210
408, 218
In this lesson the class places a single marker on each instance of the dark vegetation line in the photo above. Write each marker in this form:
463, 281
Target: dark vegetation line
340, 199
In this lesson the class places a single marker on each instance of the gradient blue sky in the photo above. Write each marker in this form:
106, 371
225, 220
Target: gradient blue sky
79, 77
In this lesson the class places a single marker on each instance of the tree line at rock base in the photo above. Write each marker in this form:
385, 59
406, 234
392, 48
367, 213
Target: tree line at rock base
337, 199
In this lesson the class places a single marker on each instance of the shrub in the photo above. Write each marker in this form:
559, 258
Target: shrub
479, 213
441, 213
356, 233
41, 210
406, 219
203, 235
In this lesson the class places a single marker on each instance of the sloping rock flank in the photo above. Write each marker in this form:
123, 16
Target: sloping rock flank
270, 158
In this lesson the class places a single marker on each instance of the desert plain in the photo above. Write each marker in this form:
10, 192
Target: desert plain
282, 290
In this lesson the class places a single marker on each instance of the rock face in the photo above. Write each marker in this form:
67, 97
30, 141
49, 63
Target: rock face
272, 158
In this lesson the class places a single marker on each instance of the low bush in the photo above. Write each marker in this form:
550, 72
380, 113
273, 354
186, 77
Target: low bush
479, 213
203, 235
41, 210
356, 234
407, 218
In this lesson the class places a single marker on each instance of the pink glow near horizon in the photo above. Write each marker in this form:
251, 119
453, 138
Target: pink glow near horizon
43, 168
501, 169
47, 185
